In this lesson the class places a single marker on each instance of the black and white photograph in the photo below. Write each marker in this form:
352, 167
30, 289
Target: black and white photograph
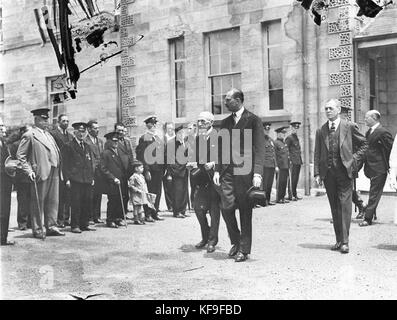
178, 151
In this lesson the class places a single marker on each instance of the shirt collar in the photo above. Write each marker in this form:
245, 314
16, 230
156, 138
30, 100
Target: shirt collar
240, 112
337, 121
374, 127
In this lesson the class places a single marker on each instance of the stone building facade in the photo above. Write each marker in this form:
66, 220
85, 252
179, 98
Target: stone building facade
193, 51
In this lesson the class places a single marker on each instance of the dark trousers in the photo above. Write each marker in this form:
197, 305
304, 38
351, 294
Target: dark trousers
357, 199
375, 193
114, 210
207, 201
180, 194
5, 206
242, 239
23, 198
154, 186
81, 196
293, 182
339, 192
167, 185
268, 178
192, 184
64, 206
95, 205
282, 183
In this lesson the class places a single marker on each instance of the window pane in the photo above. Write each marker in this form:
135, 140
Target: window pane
180, 70
225, 63
237, 81
276, 99
275, 57
275, 79
227, 83
216, 104
274, 33
214, 44
180, 108
216, 84
179, 49
180, 89
236, 65
214, 65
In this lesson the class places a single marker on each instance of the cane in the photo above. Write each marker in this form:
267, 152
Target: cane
38, 207
122, 205
277, 182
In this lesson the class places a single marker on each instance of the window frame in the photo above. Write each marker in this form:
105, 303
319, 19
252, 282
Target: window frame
50, 93
174, 61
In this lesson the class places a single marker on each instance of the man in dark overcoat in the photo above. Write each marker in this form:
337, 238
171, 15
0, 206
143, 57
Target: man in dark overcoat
282, 158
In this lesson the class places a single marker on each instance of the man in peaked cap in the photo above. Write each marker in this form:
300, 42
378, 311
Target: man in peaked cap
296, 162
282, 158
153, 171
116, 168
78, 171
40, 158
270, 163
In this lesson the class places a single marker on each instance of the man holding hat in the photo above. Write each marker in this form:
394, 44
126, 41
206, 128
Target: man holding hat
282, 158
295, 157
78, 171
40, 158
116, 168
270, 163
153, 171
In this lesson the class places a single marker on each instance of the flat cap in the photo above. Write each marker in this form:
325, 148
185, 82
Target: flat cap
112, 136
79, 126
281, 130
41, 112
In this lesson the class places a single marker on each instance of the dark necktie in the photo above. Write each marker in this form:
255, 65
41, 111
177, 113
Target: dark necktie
234, 115
82, 145
332, 127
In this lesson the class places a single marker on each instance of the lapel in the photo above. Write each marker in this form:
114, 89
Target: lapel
374, 135
78, 149
324, 133
117, 159
243, 120
41, 138
344, 128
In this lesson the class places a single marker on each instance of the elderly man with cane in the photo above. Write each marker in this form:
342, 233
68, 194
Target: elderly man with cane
40, 159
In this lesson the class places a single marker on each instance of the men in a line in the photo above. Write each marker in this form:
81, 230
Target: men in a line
96, 146
116, 168
177, 172
269, 163
5, 190
376, 166
295, 158
78, 173
205, 195
169, 129
40, 158
154, 171
339, 150
62, 137
239, 171
282, 159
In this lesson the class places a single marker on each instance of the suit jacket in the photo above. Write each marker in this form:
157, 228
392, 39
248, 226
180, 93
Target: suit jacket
60, 138
126, 148
174, 167
352, 144
282, 154
294, 149
114, 166
145, 141
377, 156
254, 153
34, 153
270, 153
96, 150
77, 163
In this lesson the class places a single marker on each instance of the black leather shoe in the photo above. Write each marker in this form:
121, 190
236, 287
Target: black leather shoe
201, 244
297, 198
181, 216
157, 217
54, 232
98, 221
210, 248
7, 243
240, 257
120, 223
271, 203
61, 226
365, 223
233, 250
344, 248
293, 199
360, 215
39, 235
112, 225
88, 228
149, 219
23, 228
336, 246
76, 230
375, 217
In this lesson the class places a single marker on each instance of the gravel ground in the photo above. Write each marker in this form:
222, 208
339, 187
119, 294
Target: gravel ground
291, 259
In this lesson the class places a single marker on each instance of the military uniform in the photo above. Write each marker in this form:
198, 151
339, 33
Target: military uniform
269, 167
282, 159
294, 149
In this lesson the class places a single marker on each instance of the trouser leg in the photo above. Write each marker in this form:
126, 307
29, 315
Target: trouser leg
375, 193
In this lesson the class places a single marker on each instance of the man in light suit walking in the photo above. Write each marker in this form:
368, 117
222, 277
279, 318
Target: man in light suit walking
40, 158
339, 150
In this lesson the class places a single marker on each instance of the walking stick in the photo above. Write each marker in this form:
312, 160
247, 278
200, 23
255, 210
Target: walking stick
38, 207
277, 183
122, 206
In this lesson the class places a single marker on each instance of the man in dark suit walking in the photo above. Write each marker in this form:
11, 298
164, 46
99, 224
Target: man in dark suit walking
62, 136
78, 173
339, 150
96, 146
116, 168
376, 166
295, 158
240, 168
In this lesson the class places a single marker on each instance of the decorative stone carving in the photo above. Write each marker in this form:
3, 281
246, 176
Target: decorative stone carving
342, 25
344, 12
346, 103
129, 102
346, 90
345, 38
338, 3
128, 82
340, 52
127, 20
346, 64
130, 122
339, 78
127, 61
